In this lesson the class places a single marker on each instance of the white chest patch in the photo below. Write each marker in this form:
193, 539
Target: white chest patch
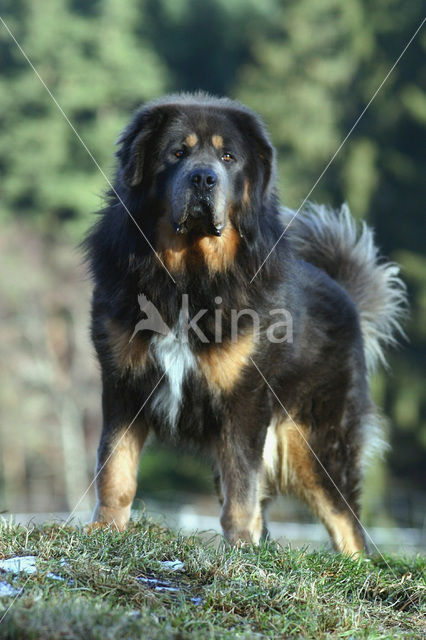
175, 357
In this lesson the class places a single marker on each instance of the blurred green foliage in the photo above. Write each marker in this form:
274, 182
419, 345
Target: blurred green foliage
98, 68
163, 473
309, 68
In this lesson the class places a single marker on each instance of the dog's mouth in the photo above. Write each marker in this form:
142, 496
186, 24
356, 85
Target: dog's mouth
199, 218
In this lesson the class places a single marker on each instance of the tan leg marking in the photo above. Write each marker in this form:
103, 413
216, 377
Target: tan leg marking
126, 354
241, 523
289, 464
96, 526
241, 516
191, 140
217, 141
222, 364
299, 469
116, 480
340, 527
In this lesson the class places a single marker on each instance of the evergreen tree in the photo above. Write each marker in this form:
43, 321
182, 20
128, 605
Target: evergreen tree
98, 69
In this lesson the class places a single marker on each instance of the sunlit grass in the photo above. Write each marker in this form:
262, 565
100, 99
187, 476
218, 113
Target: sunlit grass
250, 592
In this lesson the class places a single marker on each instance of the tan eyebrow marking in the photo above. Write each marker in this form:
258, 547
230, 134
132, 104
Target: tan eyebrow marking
191, 140
217, 141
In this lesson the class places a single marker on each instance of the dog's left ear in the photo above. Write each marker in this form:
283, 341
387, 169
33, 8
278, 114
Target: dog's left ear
259, 172
134, 141
254, 132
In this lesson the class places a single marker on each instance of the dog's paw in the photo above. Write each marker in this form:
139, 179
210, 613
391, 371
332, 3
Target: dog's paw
90, 527
116, 518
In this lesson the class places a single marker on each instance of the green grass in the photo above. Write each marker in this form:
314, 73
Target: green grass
251, 592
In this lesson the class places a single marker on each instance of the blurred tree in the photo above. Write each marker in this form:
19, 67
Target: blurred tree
301, 81
203, 43
313, 70
98, 69
308, 67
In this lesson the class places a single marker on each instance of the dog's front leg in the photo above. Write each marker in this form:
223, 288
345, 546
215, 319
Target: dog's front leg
119, 449
240, 467
115, 479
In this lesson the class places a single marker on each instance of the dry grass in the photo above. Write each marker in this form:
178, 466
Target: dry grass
265, 592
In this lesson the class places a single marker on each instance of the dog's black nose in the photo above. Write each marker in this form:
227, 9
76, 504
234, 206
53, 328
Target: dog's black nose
203, 179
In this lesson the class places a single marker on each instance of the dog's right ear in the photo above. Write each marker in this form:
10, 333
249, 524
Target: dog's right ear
134, 141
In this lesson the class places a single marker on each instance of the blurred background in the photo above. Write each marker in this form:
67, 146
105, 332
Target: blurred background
309, 68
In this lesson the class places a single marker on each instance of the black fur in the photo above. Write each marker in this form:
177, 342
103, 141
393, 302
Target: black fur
319, 377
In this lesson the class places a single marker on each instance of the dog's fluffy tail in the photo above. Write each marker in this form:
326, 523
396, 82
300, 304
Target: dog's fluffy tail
335, 242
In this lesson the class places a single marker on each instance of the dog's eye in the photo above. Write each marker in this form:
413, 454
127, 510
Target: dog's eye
179, 153
227, 157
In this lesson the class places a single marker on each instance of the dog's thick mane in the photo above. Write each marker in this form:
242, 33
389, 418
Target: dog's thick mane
116, 240
199, 99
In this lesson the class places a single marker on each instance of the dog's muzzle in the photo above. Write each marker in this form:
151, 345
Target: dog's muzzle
200, 214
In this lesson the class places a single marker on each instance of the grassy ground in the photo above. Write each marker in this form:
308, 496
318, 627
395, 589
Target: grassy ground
264, 592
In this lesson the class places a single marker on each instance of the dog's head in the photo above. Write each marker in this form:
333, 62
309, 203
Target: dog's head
202, 163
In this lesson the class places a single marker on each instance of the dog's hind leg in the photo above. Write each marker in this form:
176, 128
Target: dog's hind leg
301, 471
115, 480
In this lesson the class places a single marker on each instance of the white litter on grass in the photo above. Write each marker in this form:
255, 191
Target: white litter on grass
163, 586
173, 565
53, 576
25, 564
159, 585
7, 589
19, 564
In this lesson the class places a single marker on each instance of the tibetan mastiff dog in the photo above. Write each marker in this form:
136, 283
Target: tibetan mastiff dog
226, 323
